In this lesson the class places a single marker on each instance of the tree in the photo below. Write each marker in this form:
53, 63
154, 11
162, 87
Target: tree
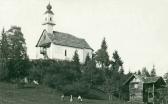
16, 43
4, 45
121, 71
145, 72
3, 68
153, 72
76, 63
139, 72
166, 77
117, 62
17, 59
75, 58
87, 59
102, 56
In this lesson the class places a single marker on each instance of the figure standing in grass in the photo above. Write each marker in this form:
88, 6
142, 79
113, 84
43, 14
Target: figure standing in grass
71, 98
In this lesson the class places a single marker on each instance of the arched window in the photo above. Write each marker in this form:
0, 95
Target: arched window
65, 52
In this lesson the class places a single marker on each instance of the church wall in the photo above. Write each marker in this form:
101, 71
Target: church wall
58, 52
38, 55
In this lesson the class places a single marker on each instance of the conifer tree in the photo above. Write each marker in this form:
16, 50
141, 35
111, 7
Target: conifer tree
102, 56
145, 72
139, 72
117, 62
153, 72
87, 59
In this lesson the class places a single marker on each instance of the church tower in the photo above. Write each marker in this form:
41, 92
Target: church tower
48, 19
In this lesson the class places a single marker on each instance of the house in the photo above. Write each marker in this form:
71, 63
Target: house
148, 90
58, 45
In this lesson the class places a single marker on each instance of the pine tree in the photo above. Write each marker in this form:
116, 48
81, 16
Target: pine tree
104, 45
145, 72
3, 58
76, 62
102, 56
139, 72
87, 59
153, 72
121, 71
75, 58
117, 62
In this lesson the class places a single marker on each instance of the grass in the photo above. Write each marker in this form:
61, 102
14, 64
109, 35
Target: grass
10, 94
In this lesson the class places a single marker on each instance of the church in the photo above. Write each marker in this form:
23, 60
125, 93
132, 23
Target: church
58, 45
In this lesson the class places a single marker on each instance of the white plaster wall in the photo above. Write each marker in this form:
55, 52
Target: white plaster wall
58, 52
38, 55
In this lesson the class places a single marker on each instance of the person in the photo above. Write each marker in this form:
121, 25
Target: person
71, 98
62, 97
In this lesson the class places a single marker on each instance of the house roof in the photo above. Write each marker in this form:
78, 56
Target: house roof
64, 39
144, 79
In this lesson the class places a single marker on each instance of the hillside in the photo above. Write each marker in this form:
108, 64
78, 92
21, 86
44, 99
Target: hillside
10, 94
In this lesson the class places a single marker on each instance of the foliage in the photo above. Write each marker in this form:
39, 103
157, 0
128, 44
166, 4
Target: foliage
117, 62
91, 74
13, 47
153, 72
139, 72
166, 77
87, 60
102, 56
3, 68
145, 72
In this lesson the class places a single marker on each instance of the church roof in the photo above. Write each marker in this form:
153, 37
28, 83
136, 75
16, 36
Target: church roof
64, 39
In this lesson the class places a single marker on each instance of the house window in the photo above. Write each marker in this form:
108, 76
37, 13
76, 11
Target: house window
46, 19
50, 19
65, 52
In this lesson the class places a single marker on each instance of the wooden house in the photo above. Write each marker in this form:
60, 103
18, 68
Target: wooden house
147, 90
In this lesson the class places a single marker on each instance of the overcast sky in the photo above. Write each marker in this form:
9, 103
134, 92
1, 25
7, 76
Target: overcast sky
138, 29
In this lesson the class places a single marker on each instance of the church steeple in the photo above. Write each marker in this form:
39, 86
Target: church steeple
48, 19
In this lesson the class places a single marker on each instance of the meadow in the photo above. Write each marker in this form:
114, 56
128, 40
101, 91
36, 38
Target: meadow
11, 94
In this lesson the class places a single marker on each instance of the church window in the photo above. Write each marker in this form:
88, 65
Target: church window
65, 52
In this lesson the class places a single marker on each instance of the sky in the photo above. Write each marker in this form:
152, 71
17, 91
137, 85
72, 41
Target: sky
137, 29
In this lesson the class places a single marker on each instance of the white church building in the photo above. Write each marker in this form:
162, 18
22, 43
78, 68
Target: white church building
58, 45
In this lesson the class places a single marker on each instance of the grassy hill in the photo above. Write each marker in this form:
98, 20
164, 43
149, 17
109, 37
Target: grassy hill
10, 94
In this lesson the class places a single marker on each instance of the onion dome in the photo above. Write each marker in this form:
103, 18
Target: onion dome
49, 7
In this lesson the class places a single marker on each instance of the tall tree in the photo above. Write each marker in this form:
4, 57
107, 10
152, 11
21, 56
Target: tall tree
121, 71
18, 62
4, 45
102, 56
153, 72
87, 59
139, 72
117, 62
3, 68
75, 58
76, 64
145, 72
16, 43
